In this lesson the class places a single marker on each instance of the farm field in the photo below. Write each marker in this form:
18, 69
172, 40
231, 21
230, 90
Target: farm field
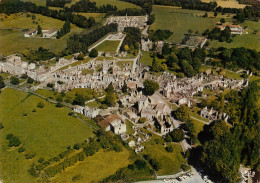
95, 168
226, 3
179, 21
44, 133
170, 161
13, 41
120, 4
108, 46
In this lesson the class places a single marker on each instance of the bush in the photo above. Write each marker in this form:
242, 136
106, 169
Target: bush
169, 148
9, 136
24, 76
34, 110
41, 160
93, 53
1, 126
185, 167
30, 80
14, 141
150, 87
155, 164
50, 85
80, 56
76, 146
29, 156
14, 80
40, 105
21, 149
59, 105
140, 164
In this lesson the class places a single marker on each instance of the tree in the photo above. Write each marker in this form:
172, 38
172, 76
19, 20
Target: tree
110, 100
140, 164
40, 105
79, 100
124, 88
93, 53
39, 30
110, 89
142, 120
182, 113
169, 148
2, 83
222, 20
150, 87
215, 13
177, 135
30, 80
14, 80
80, 56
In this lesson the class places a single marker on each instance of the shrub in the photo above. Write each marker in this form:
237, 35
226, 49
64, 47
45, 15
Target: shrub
30, 80
1, 126
76, 146
21, 149
14, 141
50, 85
185, 167
169, 148
41, 160
29, 156
24, 76
40, 105
34, 110
14, 80
140, 164
177, 135
155, 164
80, 56
9, 136
59, 105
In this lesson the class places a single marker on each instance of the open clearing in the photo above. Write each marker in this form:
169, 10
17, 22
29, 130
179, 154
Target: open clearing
99, 17
226, 3
120, 4
108, 46
45, 133
13, 41
179, 21
95, 168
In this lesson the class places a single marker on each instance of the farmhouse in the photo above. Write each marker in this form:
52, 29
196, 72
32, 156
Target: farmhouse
30, 33
113, 123
235, 29
49, 33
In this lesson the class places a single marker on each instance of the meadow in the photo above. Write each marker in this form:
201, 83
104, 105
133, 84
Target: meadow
179, 21
44, 133
13, 41
99, 17
226, 3
170, 161
120, 4
108, 46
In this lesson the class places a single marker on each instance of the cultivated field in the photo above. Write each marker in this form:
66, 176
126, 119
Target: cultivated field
108, 46
179, 21
45, 133
120, 4
226, 3
13, 41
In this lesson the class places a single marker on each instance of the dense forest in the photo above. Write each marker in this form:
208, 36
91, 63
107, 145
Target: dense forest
81, 42
57, 3
223, 146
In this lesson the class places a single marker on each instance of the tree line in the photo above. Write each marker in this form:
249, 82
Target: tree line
16, 6
57, 3
64, 30
81, 42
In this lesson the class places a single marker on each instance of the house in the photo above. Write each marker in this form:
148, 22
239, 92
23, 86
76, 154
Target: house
49, 33
30, 33
113, 123
131, 143
235, 29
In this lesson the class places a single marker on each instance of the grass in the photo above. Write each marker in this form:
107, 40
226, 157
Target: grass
37, 2
94, 104
99, 17
95, 168
170, 162
74, 64
120, 4
199, 117
179, 21
146, 59
108, 46
87, 71
248, 40
129, 126
13, 41
122, 64
45, 133
198, 125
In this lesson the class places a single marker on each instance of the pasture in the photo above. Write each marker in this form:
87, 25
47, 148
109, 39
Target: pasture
45, 133
179, 21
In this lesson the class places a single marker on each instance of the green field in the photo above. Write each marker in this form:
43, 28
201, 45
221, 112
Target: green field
227, 3
99, 17
179, 21
108, 46
120, 4
248, 40
13, 41
37, 2
95, 168
170, 162
45, 133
